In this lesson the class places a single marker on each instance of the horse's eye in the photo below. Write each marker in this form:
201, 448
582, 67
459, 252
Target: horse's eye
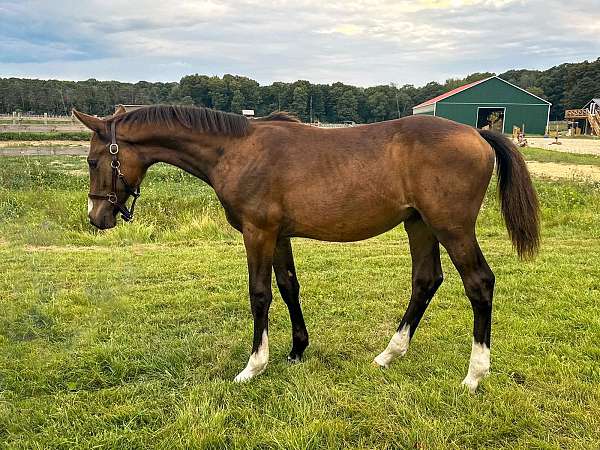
93, 163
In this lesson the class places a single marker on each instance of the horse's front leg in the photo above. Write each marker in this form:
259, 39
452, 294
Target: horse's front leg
260, 245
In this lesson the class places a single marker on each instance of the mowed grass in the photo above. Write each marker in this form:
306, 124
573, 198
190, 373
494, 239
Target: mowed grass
543, 155
131, 338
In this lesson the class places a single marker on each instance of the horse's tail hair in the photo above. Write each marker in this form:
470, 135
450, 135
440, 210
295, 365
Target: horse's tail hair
518, 199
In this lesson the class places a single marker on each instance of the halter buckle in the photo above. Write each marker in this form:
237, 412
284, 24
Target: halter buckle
113, 148
112, 198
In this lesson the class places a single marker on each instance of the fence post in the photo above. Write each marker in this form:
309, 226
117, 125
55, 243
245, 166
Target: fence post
14, 118
45, 118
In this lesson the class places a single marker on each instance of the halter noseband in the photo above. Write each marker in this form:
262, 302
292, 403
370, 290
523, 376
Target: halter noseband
115, 164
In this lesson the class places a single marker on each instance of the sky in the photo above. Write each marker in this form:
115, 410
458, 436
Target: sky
360, 42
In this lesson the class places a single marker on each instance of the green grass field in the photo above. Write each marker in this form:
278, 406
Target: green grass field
131, 338
45, 135
543, 155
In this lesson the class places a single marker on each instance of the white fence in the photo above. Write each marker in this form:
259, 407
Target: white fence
40, 123
333, 125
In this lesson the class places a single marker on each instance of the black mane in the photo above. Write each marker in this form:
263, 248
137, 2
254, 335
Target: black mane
198, 118
202, 119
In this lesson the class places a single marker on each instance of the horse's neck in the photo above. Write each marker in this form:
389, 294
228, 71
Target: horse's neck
197, 156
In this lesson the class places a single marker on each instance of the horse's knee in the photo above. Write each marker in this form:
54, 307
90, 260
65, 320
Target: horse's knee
426, 286
260, 298
479, 288
438, 279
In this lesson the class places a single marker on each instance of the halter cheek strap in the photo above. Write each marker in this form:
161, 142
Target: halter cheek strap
115, 164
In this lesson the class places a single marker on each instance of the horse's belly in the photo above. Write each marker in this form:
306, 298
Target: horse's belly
345, 223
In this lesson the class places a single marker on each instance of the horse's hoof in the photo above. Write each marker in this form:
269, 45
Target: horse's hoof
247, 374
242, 378
294, 359
380, 364
470, 384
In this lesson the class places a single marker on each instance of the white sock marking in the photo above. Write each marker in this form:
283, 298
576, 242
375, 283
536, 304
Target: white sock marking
257, 363
398, 346
479, 366
90, 206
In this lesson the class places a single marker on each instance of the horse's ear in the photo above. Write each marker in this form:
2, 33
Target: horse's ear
120, 109
92, 122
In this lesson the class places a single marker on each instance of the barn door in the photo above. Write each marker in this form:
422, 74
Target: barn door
491, 119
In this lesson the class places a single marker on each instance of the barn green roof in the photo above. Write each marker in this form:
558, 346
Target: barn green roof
469, 86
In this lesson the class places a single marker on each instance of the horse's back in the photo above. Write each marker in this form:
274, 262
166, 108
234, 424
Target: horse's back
354, 183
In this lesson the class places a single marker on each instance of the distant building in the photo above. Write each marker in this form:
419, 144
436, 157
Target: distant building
586, 118
593, 106
491, 103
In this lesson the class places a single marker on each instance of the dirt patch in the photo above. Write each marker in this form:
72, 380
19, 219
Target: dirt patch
581, 146
77, 173
44, 151
64, 248
136, 248
580, 172
50, 143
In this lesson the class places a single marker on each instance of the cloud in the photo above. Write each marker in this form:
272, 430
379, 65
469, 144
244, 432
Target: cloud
363, 42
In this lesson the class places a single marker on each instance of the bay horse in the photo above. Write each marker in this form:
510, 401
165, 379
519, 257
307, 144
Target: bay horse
278, 178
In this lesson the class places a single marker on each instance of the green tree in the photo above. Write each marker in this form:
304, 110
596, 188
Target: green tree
237, 102
300, 100
581, 92
537, 91
347, 106
187, 100
218, 93
378, 103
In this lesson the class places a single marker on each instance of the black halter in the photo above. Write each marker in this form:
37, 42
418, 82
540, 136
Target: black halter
113, 149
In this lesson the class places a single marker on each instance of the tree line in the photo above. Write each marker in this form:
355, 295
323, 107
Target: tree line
566, 86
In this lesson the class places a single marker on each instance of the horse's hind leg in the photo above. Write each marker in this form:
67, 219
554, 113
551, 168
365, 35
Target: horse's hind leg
426, 278
287, 282
478, 280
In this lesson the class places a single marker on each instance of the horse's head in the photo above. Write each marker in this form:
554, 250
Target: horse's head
116, 171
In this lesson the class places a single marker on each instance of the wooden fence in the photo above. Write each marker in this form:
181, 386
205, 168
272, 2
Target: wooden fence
17, 122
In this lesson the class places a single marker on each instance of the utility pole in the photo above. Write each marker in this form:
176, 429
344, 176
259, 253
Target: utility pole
311, 110
62, 97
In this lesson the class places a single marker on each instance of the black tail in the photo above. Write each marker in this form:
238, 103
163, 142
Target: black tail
520, 207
